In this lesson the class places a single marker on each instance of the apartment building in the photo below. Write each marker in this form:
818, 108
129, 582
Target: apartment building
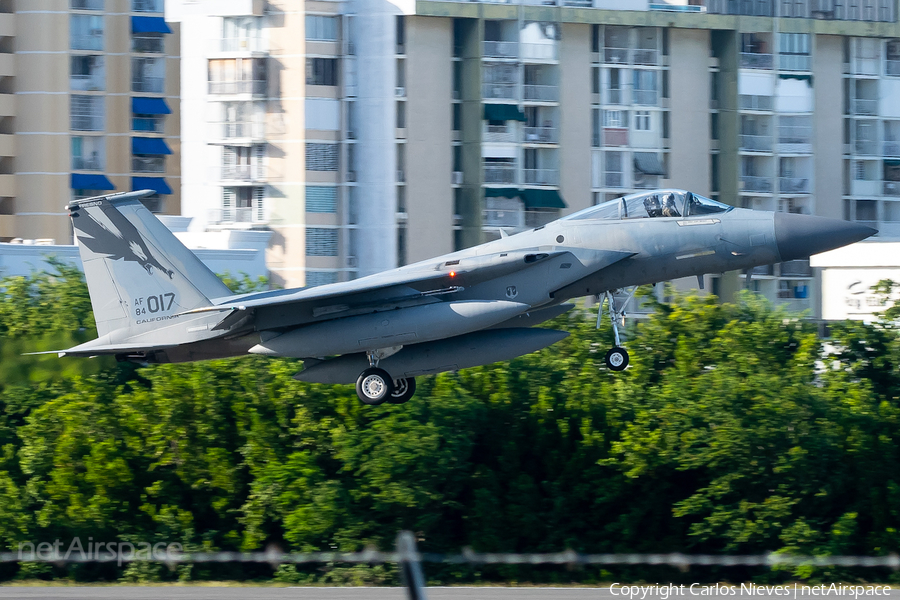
88, 103
369, 134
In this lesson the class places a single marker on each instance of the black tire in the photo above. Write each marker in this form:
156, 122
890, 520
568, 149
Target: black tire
374, 386
403, 390
617, 359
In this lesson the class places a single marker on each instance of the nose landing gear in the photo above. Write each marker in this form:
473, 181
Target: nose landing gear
375, 386
617, 357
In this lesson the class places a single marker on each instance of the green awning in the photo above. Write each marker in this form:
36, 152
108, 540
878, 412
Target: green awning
503, 112
502, 193
892, 163
542, 199
807, 78
648, 163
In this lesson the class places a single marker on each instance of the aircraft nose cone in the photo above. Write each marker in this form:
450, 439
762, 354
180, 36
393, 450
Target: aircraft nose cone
801, 236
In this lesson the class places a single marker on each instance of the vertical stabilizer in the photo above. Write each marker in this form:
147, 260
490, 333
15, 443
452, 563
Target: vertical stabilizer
138, 273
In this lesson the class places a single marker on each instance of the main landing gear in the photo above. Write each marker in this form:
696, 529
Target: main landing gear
617, 357
375, 386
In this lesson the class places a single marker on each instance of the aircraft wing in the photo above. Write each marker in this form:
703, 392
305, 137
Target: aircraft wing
416, 284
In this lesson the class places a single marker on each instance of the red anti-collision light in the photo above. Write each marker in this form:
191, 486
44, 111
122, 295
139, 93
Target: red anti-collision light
452, 273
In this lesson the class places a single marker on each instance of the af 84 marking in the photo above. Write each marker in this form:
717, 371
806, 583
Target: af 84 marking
154, 304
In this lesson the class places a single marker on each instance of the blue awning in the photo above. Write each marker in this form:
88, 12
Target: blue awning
141, 145
149, 25
157, 184
150, 106
85, 181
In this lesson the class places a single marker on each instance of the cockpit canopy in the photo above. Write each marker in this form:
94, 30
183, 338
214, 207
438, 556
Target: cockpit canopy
653, 204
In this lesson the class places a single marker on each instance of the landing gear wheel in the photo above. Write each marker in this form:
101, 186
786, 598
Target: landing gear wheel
374, 386
403, 390
617, 359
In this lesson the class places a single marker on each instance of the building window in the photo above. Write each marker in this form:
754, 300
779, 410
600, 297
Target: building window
148, 163
321, 71
645, 86
243, 204
87, 73
148, 75
153, 203
87, 153
86, 32
321, 241
615, 118
642, 120
151, 123
320, 28
595, 127
401, 115
148, 42
86, 4
147, 6
87, 113
613, 170
321, 157
321, 199
314, 278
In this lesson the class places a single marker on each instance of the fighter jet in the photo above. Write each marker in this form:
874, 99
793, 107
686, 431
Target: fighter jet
155, 302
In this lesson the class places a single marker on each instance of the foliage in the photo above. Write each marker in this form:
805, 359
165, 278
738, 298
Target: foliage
736, 430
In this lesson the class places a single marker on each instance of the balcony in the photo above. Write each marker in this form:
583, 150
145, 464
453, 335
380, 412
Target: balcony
148, 44
865, 106
86, 4
492, 49
892, 68
793, 185
541, 176
147, 6
148, 164
614, 179
153, 124
87, 83
87, 122
235, 215
752, 60
616, 56
248, 173
232, 130
892, 149
763, 270
498, 91
756, 143
753, 183
87, 42
539, 52
645, 57
541, 93
495, 217
153, 85
80, 163
795, 62
255, 88
892, 188
541, 135
615, 136
615, 96
499, 173
237, 45
793, 139
499, 133
796, 268
644, 97
866, 147
756, 103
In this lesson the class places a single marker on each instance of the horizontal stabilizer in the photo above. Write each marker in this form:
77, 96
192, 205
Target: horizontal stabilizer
91, 349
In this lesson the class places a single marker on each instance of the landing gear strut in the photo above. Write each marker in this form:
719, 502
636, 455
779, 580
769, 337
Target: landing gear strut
617, 357
375, 386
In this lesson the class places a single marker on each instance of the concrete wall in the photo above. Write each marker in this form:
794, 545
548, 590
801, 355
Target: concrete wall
828, 125
575, 119
689, 130
429, 197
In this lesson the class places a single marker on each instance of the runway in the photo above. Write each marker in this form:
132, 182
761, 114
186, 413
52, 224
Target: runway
360, 593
